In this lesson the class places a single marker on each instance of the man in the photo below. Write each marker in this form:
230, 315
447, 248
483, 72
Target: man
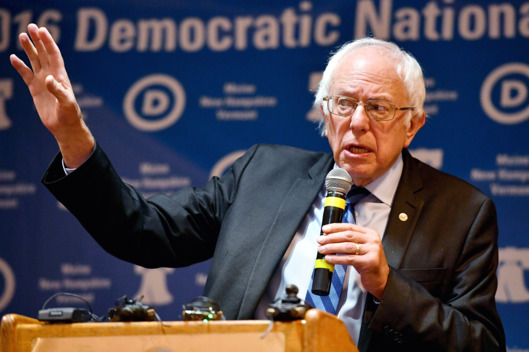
421, 258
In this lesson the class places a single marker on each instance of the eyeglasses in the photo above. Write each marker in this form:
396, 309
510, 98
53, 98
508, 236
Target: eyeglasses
378, 110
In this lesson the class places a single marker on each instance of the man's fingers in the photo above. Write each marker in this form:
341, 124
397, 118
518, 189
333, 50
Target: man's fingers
341, 226
30, 51
52, 50
35, 35
24, 71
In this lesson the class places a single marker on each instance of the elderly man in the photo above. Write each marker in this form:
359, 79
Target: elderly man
421, 254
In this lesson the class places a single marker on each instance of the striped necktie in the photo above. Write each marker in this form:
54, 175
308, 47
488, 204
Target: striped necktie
329, 303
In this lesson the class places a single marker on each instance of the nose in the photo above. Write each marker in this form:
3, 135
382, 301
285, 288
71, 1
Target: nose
359, 119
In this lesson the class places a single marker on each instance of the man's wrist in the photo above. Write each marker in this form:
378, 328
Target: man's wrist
69, 170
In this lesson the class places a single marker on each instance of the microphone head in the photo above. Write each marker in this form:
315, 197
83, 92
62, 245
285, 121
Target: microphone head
338, 180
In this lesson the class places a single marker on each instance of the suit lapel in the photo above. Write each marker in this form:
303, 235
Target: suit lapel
405, 211
291, 212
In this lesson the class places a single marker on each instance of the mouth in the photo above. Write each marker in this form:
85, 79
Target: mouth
357, 149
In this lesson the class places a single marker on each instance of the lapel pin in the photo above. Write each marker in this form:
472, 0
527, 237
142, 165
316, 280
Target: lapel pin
403, 217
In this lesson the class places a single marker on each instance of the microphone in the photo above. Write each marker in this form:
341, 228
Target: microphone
338, 182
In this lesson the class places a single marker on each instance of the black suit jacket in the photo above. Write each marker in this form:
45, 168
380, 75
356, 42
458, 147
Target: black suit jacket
440, 241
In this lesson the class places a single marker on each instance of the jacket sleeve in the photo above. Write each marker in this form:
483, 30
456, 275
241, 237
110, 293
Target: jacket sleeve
164, 230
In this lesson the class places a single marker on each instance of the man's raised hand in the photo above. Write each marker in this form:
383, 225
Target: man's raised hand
53, 95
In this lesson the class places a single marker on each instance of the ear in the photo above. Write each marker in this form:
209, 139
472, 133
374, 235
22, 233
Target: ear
415, 125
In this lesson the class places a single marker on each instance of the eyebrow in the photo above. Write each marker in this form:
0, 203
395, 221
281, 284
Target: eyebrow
357, 91
348, 95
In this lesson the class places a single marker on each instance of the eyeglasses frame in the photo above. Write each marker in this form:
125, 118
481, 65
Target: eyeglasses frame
396, 108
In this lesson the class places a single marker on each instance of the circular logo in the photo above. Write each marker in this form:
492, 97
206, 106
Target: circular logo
154, 103
9, 284
509, 85
223, 164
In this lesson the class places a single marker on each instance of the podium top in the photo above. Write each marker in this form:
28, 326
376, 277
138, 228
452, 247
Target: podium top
318, 332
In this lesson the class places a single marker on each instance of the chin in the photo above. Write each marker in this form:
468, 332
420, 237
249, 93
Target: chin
360, 177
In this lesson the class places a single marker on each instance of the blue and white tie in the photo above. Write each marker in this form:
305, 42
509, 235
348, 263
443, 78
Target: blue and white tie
329, 303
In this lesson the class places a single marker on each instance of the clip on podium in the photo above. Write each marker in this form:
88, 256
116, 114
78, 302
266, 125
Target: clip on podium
318, 332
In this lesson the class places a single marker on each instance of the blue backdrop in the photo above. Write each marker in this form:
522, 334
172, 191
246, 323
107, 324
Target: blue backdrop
175, 90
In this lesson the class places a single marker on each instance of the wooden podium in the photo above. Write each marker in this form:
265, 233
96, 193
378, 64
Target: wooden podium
318, 332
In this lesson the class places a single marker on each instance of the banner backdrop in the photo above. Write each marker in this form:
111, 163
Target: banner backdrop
175, 91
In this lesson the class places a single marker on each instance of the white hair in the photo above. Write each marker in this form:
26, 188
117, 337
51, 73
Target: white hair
406, 67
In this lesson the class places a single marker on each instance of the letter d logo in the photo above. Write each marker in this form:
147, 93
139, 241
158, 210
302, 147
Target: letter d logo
8, 284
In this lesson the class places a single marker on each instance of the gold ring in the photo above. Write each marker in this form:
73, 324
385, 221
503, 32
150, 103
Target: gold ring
357, 249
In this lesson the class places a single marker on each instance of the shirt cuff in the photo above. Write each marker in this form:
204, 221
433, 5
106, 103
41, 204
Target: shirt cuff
67, 170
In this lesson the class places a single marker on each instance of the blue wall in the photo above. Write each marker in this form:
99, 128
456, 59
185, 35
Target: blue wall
175, 90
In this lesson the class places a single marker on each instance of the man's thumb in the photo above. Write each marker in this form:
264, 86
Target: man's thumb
56, 89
